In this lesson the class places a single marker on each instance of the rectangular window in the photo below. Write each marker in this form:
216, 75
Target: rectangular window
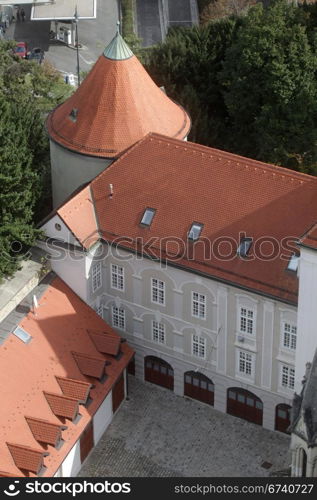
246, 320
117, 277
289, 336
245, 363
158, 291
99, 310
118, 317
96, 277
198, 305
199, 346
158, 332
195, 231
288, 377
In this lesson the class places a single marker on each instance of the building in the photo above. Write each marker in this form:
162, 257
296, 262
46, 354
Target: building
225, 323
63, 373
304, 425
116, 105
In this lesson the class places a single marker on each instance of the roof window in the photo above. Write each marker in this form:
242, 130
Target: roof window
244, 247
293, 263
73, 115
22, 335
148, 217
195, 231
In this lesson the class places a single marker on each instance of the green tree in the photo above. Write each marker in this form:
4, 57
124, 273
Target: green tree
187, 65
269, 77
27, 92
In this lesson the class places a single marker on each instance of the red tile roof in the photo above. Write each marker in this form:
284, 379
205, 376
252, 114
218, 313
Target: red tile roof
90, 366
76, 389
85, 207
105, 342
227, 193
117, 104
44, 431
310, 238
26, 458
46, 365
62, 406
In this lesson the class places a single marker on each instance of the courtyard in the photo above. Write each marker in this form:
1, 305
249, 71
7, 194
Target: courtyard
158, 434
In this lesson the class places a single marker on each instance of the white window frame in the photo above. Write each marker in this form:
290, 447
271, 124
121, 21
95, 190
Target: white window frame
99, 310
158, 332
118, 317
198, 346
249, 317
96, 277
199, 305
117, 277
287, 377
157, 291
245, 364
289, 336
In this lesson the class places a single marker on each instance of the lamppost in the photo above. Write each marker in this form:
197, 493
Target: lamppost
77, 45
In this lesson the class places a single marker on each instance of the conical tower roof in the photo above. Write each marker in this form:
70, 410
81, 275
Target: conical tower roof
116, 105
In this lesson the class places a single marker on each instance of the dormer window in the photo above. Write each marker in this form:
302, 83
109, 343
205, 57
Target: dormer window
73, 115
195, 230
293, 263
244, 247
148, 217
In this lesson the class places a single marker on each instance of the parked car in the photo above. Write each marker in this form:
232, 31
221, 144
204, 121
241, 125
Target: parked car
21, 50
36, 54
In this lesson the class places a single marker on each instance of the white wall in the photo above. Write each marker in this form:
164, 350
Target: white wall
307, 313
72, 464
102, 418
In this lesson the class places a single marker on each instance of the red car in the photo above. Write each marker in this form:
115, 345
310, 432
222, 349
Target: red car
20, 50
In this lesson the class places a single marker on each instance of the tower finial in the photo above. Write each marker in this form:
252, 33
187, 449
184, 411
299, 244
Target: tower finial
118, 27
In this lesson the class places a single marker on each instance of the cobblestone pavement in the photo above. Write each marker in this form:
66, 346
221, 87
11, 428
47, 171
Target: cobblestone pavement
157, 433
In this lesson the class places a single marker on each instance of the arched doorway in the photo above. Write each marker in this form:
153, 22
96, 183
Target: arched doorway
158, 372
282, 417
198, 386
244, 404
303, 462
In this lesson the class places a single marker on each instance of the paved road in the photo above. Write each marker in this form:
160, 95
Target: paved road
157, 434
94, 35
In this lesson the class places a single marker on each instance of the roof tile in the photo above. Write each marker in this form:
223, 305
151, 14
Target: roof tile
44, 431
105, 342
89, 365
27, 458
76, 389
62, 406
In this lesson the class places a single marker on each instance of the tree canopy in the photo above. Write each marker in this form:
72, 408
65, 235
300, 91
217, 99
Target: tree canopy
248, 82
27, 92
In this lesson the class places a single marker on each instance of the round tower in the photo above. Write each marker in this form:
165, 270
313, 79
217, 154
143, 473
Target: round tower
116, 105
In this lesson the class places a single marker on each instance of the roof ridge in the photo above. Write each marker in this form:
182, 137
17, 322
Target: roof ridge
261, 164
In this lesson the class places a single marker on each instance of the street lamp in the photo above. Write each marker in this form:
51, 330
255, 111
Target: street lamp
77, 45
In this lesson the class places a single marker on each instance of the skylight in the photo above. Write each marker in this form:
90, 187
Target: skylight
148, 216
22, 335
244, 247
293, 263
195, 231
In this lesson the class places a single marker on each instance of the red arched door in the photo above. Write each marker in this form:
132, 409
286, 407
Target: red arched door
244, 404
158, 372
198, 386
282, 418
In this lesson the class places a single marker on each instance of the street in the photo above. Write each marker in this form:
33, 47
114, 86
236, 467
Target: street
93, 35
